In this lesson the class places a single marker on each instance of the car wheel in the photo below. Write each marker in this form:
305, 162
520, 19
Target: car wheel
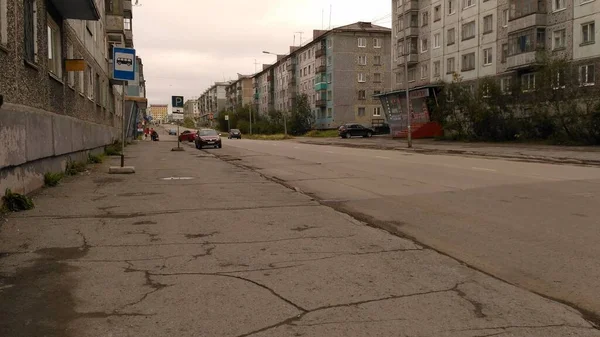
369, 134
220, 145
348, 135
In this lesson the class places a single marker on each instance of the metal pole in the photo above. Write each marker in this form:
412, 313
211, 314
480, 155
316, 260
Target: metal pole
250, 118
404, 51
124, 87
178, 134
285, 123
228, 123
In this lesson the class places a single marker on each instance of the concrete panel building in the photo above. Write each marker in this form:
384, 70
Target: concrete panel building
51, 114
239, 92
213, 101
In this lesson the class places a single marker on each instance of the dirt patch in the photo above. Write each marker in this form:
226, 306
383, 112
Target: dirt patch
145, 222
197, 236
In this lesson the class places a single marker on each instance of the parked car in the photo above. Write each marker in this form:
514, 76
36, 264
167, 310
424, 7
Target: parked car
235, 133
172, 132
354, 130
187, 135
208, 137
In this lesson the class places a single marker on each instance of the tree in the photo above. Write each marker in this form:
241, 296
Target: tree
301, 119
189, 123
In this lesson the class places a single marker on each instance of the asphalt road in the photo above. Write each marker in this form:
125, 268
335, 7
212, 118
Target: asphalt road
533, 225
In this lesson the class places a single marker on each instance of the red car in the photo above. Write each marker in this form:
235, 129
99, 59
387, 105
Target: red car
187, 136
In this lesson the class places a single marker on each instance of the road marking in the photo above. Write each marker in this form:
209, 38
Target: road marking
380, 157
483, 169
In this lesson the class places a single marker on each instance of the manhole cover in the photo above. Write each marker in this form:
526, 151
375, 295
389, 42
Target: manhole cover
177, 178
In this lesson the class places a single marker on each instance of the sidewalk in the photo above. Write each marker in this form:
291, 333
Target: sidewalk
195, 246
582, 155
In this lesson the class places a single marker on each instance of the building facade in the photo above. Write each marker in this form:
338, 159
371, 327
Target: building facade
264, 90
74, 112
191, 109
213, 101
239, 92
159, 113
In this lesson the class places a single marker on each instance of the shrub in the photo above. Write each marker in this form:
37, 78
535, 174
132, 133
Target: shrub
74, 167
52, 179
113, 149
95, 159
322, 133
15, 202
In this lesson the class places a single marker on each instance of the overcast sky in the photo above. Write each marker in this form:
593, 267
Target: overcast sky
186, 45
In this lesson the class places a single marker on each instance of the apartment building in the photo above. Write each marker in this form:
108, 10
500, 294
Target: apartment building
475, 39
264, 90
191, 109
72, 112
239, 92
159, 113
339, 71
213, 101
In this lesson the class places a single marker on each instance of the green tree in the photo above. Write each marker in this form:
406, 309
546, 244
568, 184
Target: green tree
189, 123
301, 119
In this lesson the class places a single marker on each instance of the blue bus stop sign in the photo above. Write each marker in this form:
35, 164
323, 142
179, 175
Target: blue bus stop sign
124, 64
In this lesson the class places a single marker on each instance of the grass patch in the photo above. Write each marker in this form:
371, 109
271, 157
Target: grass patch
15, 202
113, 149
278, 136
52, 179
322, 134
75, 167
95, 159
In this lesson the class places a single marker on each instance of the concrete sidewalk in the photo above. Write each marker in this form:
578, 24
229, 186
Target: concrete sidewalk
582, 155
192, 245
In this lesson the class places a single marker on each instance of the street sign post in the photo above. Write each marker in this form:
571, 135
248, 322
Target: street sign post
124, 70
228, 125
177, 105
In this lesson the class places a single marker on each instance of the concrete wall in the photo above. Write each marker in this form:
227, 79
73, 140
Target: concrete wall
37, 141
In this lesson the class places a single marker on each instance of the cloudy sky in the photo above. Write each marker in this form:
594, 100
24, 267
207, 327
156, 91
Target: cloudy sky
186, 45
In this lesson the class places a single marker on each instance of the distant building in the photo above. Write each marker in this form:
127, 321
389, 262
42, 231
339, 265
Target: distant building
213, 101
159, 112
239, 92
191, 109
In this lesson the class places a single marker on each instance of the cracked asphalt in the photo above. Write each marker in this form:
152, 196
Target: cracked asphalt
231, 253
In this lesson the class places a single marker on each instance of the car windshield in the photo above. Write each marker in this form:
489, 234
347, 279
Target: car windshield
235, 130
208, 133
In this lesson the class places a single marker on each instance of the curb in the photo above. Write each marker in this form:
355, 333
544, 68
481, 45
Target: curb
467, 153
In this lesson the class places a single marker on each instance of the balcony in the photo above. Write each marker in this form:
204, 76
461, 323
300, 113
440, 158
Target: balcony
77, 9
321, 69
127, 5
320, 52
413, 58
523, 60
529, 21
291, 67
409, 5
410, 31
114, 24
320, 86
321, 103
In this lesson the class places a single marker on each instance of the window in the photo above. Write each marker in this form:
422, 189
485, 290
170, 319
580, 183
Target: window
376, 43
588, 35
329, 95
377, 60
414, 19
559, 39
54, 49
71, 74
425, 18
412, 75
505, 18
488, 24
451, 36
424, 71
526, 41
436, 40
506, 85
558, 5
361, 77
362, 94
528, 82
377, 77
558, 82
450, 65
90, 86
3, 23
362, 42
504, 52
30, 28
329, 112
437, 13
468, 3
399, 78
329, 78
127, 23
468, 30
586, 75
451, 7
376, 92
424, 45
361, 111
362, 60
82, 82
436, 68
526, 7
468, 62
377, 111
487, 56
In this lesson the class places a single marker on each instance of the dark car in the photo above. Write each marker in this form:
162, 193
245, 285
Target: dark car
354, 130
208, 137
172, 132
187, 135
235, 133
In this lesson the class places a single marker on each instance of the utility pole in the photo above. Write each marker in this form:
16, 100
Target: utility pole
124, 88
405, 53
